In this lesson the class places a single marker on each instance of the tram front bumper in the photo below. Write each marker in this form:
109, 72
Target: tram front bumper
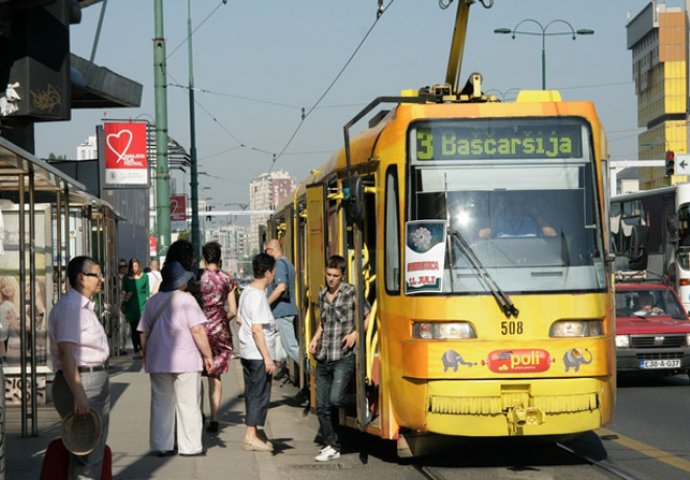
517, 407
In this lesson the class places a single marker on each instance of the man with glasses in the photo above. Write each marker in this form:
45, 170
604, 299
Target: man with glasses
79, 350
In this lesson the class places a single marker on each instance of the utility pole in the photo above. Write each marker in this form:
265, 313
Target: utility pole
196, 236
162, 172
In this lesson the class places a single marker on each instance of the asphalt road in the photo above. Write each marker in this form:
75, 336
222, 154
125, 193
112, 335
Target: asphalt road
652, 427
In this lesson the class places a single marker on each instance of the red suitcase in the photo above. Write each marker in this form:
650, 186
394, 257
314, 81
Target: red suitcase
56, 462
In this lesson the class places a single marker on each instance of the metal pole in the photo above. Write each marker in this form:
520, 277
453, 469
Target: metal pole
22, 307
32, 303
98, 31
196, 234
162, 172
543, 61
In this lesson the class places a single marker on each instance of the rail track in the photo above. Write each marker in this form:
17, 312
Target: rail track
556, 461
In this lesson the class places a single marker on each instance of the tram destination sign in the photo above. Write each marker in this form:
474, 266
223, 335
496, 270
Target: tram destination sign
504, 139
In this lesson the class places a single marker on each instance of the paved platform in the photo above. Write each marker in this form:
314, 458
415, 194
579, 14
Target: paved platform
290, 426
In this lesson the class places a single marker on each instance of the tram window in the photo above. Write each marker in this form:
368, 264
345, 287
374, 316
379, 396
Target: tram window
392, 233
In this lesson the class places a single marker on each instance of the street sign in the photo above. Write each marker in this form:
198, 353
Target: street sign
178, 212
682, 164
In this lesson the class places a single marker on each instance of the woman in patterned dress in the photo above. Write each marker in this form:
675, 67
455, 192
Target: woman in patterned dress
217, 290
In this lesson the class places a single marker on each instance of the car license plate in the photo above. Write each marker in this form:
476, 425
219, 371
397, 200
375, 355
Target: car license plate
660, 364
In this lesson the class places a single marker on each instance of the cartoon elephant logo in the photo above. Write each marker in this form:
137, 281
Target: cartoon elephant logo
452, 359
575, 357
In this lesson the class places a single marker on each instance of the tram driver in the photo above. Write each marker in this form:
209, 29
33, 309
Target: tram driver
517, 217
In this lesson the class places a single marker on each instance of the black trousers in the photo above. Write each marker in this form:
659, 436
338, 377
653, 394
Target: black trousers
257, 391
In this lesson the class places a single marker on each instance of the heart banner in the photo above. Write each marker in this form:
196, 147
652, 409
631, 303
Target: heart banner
125, 154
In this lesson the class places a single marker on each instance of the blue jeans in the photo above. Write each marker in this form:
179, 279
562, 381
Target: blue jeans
332, 380
286, 329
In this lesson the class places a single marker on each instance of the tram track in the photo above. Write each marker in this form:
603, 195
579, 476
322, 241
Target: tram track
428, 473
605, 466
605, 469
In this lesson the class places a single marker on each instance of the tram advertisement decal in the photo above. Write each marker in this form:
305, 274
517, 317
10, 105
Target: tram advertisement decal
126, 160
425, 249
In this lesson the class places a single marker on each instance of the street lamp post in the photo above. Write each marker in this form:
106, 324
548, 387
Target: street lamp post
162, 171
196, 237
544, 33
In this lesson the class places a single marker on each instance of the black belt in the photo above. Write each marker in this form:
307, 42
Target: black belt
92, 368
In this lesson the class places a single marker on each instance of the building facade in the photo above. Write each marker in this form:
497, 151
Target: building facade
234, 242
658, 39
265, 192
88, 150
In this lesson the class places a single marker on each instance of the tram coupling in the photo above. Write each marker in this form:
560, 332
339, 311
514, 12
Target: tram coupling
520, 416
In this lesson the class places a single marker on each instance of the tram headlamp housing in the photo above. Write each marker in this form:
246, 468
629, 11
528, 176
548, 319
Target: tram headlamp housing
576, 328
622, 341
443, 330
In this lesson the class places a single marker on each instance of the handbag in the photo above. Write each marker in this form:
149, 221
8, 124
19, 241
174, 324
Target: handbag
156, 314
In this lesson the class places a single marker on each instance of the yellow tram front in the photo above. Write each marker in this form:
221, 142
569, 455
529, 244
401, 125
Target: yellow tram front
494, 294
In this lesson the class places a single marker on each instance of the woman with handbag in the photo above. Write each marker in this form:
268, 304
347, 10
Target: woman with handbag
219, 305
175, 351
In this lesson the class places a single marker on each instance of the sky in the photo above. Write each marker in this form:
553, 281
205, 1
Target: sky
257, 64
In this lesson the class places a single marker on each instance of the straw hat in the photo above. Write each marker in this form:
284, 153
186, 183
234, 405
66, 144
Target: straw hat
80, 434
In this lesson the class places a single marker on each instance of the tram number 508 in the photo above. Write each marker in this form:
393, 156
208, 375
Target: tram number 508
511, 328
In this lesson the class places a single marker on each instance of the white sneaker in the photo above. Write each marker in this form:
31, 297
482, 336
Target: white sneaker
327, 453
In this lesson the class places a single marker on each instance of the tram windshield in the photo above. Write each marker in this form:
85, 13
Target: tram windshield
519, 194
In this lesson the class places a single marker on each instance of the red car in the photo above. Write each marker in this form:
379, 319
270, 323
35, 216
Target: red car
652, 329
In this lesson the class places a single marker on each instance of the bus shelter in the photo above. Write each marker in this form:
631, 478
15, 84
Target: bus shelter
46, 218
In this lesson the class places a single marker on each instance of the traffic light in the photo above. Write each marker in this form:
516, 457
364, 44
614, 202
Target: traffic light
670, 163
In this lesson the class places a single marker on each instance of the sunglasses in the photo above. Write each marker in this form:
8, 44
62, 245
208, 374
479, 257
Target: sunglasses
90, 274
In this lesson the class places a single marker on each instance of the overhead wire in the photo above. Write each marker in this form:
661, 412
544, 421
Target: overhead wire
186, 39
305, 112
380, 11
261, 100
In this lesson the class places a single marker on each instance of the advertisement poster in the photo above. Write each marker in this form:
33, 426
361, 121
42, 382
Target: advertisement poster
178, 212
125, 153
425, 249
11, 318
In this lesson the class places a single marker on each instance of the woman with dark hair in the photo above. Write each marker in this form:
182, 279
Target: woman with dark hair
135, 292
219, 305
182, 251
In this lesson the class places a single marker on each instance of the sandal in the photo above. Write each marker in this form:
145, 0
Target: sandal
257, 445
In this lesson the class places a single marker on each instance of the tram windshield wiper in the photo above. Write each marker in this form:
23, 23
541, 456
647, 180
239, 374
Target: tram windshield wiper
507, 306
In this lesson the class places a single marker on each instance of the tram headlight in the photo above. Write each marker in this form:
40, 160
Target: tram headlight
622, 341
443, 330
577, 328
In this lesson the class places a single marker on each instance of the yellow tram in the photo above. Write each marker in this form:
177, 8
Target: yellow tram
477, 231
